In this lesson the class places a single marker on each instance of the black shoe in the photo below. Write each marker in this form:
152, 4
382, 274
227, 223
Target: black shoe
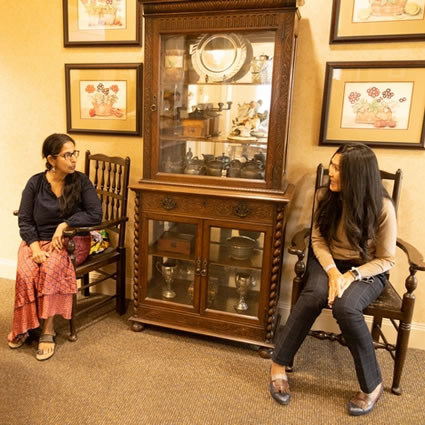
279, 389
362, 403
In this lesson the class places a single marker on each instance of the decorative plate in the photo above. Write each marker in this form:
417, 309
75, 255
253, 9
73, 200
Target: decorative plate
220, 57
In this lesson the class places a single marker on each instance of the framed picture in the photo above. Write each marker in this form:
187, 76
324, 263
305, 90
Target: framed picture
101, 22
377, 20
103, 98
381, 104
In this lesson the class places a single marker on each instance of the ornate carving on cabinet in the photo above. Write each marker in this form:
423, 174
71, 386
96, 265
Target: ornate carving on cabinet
242, 210
222, 5
275, 273
208, 22
168, 203
136, 254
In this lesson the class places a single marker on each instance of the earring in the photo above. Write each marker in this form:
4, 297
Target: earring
53, 170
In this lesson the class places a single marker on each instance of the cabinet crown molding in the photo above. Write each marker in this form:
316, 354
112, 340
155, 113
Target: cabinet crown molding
182, 6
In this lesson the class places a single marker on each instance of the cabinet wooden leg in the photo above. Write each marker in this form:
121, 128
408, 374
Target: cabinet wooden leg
137, 326
265, 352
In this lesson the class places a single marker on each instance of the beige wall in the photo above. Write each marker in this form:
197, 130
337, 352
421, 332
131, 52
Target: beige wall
32, 87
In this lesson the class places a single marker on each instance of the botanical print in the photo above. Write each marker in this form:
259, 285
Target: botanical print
101, 14
103, 99
377, 105
387, 10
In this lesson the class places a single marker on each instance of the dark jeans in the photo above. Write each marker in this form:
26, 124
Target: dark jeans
348, 312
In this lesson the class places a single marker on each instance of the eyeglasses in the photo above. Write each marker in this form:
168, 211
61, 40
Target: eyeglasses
68, 155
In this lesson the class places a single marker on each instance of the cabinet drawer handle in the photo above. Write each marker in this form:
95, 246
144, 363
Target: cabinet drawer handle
204, 267
168, 203
198, 267
153, 106
242, 210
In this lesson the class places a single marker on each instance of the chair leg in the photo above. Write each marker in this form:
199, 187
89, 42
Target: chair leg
86, 281
400, 356
120, 284
73, 331
376, 325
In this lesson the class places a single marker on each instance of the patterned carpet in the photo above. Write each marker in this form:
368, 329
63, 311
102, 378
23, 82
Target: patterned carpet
113, 375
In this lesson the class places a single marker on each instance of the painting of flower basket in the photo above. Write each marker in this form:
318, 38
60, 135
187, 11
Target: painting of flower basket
377, 20
104, 98
101, 22
377, 103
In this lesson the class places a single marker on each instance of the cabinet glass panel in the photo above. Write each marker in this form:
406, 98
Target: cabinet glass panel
215, 103
171, 264
234, 271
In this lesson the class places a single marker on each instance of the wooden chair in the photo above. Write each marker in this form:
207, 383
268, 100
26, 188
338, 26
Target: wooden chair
110, 176
390, 305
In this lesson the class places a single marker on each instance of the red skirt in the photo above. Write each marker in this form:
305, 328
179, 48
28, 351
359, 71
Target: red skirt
44, 290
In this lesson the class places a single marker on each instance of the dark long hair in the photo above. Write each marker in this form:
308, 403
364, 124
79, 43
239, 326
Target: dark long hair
72, 188
361, 198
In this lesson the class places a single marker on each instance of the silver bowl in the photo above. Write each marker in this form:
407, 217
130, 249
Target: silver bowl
241, 247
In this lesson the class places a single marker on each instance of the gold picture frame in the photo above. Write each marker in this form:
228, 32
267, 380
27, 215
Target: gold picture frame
102, 23
380, 104
377, 20
104, 98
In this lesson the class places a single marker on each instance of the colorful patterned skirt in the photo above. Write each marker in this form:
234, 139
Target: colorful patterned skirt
44, 290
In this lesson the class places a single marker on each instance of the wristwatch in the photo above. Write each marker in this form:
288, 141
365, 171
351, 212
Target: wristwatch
356, 274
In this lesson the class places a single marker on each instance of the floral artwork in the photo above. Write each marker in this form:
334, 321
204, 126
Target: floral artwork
377, 105
387, 10
106, 14
103, 99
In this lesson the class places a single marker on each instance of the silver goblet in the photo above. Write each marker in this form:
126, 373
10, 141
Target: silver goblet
168, 271
243, 282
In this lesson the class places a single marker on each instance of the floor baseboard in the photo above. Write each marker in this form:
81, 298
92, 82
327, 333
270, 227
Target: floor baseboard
7, 268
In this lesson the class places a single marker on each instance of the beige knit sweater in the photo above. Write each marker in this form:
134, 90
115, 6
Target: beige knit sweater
382, 251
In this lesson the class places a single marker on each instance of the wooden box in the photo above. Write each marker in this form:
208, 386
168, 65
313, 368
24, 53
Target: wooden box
181, 243
196, 128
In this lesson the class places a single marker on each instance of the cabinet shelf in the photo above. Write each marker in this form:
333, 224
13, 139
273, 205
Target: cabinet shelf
179, 138
156, 252
227, 297
220, 255
180, 287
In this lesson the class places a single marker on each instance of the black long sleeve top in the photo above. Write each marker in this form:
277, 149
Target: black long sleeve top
39, 211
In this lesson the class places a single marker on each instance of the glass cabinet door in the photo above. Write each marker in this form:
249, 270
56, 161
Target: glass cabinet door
171, 261
234, 270
215, 97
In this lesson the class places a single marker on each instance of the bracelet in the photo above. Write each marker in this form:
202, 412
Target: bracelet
331, 266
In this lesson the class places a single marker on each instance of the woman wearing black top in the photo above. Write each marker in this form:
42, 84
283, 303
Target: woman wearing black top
45, 280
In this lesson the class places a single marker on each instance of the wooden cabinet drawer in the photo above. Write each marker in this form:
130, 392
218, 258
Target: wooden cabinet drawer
203, 206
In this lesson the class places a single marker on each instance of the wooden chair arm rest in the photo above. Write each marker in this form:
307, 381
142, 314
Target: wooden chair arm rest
298, 242
414, 257
70, 232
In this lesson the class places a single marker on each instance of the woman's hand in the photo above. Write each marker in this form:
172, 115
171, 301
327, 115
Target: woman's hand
57, 239
336, 280
38, 255
348, 280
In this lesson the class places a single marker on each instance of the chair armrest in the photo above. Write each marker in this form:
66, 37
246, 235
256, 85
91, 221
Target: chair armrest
70, 232
414, 257
298, 242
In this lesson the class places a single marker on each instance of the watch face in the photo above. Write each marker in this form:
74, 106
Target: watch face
355, 273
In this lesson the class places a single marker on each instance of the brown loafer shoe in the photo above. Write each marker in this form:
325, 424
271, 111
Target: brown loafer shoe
279, 388
362, 403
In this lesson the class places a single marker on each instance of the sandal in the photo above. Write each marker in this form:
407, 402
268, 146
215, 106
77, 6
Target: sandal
42, 354
19, 341
279, 388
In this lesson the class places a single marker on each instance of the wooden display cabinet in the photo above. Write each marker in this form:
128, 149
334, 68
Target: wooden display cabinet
211, 206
